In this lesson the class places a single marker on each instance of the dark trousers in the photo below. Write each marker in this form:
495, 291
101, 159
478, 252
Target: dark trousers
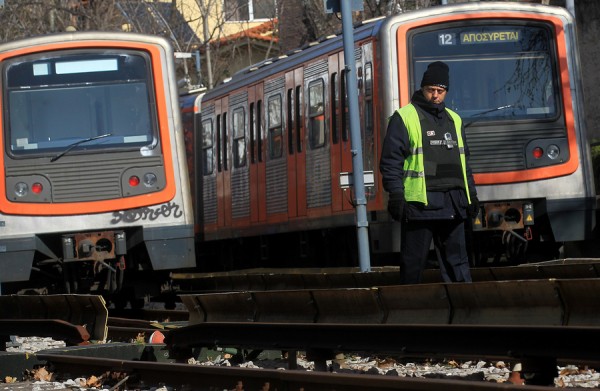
449, 241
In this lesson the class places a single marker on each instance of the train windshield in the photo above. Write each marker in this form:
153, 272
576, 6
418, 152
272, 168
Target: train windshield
78, 101
497, 72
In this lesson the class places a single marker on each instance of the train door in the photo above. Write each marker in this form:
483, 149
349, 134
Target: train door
239, 165
341, 153
336, 69
206, 162
368, 113
258, 211
223, 162
275, 159
295, 145
318, 168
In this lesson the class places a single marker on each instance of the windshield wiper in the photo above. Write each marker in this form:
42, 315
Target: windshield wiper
76, 143
487, 112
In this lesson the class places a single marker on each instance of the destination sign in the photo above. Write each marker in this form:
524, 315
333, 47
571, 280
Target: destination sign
490, 37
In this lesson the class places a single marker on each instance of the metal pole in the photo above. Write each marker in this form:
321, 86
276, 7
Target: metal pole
362, 223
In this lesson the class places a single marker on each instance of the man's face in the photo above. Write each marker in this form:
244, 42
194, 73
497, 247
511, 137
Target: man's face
434, 94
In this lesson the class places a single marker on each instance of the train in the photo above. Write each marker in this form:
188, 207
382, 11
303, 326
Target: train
111, 179
272, 151
94, 188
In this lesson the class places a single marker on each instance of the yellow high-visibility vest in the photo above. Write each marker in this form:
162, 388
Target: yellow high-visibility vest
414, 167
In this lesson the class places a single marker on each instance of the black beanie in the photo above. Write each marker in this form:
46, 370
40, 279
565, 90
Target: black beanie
436, 75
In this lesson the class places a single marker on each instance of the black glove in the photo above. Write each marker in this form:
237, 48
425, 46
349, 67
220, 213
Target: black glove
396, 205
473, 208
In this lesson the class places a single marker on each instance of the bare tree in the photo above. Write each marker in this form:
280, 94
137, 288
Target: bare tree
315, 22
26, 18
225, 52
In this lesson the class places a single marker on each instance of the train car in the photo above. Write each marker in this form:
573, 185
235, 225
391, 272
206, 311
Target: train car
275, 138
189, 105
94, 187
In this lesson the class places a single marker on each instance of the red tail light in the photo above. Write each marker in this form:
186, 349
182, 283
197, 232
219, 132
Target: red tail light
538, 152
134, 181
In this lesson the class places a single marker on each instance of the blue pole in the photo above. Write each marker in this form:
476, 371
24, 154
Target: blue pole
362, 223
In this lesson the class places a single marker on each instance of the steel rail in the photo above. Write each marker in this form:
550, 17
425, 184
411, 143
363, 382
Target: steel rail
543, 302
558, 342
55, 328
324, 278
202, 377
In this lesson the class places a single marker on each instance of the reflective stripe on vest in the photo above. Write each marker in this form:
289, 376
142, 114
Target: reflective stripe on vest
415, 188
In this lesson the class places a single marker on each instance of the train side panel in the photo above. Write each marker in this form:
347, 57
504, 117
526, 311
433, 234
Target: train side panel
297, 144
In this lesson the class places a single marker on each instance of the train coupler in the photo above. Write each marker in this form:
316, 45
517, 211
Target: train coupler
508, 233
93, 246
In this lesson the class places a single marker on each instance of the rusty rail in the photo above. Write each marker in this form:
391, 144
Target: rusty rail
145, 363
88, 311
328, 278
55, 328
530, 302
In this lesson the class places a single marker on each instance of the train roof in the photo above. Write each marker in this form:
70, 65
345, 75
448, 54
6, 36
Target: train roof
362, 30
292, 58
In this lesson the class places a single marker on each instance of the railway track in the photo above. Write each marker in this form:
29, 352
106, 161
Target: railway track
207, 378
351, 277
538, 322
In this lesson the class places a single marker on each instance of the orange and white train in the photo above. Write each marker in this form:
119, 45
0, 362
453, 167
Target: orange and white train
93, 178
272, 143
96, 192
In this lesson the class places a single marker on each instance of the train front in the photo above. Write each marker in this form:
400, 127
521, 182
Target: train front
514, 80
94, 182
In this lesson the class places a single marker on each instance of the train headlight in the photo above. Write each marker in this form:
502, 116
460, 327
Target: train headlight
553, 151
134, 180
150, 179
21, 189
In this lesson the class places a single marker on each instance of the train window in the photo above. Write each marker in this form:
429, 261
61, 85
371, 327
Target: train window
219, 150
207, 147
290, 120
259, 130
239, 137
275, 127
368, 77
224, 140
79, 100
252, 134
344, 111
335, 111
497, 72
316, 113
298, 120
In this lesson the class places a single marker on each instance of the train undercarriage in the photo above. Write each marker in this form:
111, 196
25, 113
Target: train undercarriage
116, 264
504, 234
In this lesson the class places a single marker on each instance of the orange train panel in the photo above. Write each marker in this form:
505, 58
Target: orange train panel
76, 208
568, 167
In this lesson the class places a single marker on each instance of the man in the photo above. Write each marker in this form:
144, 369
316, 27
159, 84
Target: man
424, 167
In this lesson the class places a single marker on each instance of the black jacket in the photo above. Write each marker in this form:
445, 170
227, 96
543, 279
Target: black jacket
396, 148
